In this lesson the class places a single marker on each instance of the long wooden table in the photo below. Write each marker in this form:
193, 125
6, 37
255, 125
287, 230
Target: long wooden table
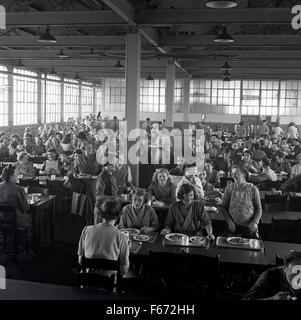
46, 203
261, 259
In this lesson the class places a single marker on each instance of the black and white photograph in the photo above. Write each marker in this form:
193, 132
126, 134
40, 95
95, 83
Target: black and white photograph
150, 154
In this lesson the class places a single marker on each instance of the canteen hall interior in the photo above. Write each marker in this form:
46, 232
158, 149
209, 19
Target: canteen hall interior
205, 203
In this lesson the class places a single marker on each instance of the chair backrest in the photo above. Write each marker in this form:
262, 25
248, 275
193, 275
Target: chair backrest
8, 219
43, 191
286, 230
275, 203
101, 264
28, 183
142, 287
294, 203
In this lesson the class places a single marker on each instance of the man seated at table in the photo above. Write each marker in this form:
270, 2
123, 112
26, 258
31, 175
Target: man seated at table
248, 163
104, 240
139, 215
192, 177
106, 186
179, 170
279, 164
296, 169
187, 215
123, 175
279, 283
241, 205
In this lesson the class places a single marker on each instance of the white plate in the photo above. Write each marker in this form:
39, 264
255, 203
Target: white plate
197, 240
238, 241
35, 194
141, 237
175, 237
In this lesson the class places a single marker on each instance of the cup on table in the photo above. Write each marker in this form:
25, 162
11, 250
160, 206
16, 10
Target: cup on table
124, 197
26, 190
53, 177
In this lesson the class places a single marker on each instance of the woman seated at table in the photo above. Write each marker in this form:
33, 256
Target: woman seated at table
104, 240
267, 173
162, 188
192, 178
24, 168
53, 165
14, 195
39, 149
241, 205
187, 215
279, 164
13, 151
138, 215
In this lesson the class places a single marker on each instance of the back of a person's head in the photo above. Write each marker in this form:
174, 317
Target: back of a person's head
7, 173
110, 209
266, 162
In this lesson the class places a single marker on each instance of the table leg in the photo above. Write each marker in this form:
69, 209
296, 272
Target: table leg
35, 230
52, 219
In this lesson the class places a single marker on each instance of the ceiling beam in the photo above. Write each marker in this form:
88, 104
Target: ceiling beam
167, 17
125, 10
64, 41
250, 71
63, 18
249, 40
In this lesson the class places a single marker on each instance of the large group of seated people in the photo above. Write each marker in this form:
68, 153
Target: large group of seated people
246, 162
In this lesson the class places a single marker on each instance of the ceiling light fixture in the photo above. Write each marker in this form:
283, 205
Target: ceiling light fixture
227, 79
119, 66
226, 66
227, 74
47, 37
20, 65
62, 55
150, 78
221, 4
224, 36
53, 72
77, 77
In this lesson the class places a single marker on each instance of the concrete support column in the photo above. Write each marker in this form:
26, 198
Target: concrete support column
170, 93
186, 99
80, 99
132, 100
62, 99
10, 97
40, 98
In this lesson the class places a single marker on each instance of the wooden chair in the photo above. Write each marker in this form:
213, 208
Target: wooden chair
142, 287
286, 230
44, 192
294, 203
275, 202
8, 226
87, 275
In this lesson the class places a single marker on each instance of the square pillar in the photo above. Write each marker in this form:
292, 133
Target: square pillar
132, 99
170, 93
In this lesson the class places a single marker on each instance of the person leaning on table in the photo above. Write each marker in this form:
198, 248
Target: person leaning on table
278, 283
241, 205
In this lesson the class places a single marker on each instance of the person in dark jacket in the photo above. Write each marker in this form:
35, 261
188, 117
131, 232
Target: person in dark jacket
106, 187
279, 283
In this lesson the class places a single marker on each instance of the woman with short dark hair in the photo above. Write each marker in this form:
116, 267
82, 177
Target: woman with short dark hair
104, 240
187, 215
